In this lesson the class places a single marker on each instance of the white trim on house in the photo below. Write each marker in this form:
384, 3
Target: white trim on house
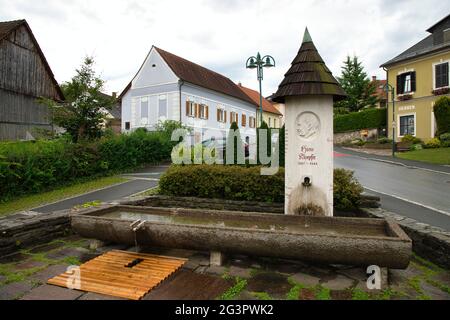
433, 65
406, 115
225, 106
156, 85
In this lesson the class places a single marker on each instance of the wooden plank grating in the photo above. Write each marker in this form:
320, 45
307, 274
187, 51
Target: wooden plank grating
120, 274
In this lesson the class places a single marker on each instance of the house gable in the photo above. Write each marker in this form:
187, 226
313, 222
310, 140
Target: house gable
154, 71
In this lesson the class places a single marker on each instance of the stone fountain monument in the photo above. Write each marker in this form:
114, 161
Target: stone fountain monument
308, 91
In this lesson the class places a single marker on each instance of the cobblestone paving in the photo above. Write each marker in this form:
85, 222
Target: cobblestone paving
24, 276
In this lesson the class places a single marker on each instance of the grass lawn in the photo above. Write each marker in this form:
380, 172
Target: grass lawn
36, 200
436, 156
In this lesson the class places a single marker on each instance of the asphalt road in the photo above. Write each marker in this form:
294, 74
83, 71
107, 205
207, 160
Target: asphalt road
140, 180
421, 192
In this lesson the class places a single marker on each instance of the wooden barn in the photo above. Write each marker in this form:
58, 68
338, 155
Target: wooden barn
25, 75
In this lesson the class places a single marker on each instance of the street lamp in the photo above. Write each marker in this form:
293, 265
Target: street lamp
388, 88
260, 63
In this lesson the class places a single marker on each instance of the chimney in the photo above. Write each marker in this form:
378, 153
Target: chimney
374, 78
240, 84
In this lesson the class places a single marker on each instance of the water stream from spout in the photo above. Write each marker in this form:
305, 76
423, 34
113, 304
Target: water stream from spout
135, 241
308, 212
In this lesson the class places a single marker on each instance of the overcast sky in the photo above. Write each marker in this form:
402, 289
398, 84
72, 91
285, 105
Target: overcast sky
221, 34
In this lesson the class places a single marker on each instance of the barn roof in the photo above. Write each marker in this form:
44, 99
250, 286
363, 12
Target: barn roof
8, 27
308, 75
195, 74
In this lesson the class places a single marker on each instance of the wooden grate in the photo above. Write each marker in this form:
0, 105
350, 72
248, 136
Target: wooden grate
120, 274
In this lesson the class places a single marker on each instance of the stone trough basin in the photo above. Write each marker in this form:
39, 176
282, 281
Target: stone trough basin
347, 241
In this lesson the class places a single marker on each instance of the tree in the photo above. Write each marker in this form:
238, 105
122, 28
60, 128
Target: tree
264, 126
234, 143
357, 85
82, 114
442, 113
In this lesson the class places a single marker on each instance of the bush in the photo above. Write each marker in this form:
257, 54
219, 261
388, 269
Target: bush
433, 144
384, 141
347, 190
442, 114
445, 140
224, 182
31, 167
367, 119
409, 138
241, 183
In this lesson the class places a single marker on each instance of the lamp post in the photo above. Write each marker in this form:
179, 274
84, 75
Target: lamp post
388, 88
259, 64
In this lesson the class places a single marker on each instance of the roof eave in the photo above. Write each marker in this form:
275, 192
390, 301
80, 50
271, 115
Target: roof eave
391, 63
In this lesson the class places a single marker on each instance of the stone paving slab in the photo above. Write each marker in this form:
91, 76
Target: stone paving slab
48, 292
13, 290
339, 283
50, 272
306, 279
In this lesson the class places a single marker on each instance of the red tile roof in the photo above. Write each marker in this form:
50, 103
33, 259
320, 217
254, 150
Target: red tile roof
200, 76
380, 92
254, 95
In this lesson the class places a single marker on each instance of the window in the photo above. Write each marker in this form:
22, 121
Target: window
162, 107
127, 126
234, 117
244, 120
274, 123
203, 112
406, 82
144, 111
441, 73
190, 109
407, 125
270, 122
252, 122
221, 115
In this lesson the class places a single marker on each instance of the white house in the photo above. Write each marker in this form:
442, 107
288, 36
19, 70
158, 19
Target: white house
168, 87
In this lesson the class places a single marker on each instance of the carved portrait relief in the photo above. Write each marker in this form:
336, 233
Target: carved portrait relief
307, 125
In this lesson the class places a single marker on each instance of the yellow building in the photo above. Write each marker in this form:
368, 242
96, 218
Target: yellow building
419, 76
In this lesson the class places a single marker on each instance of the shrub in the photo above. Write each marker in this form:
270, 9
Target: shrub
282, 142
367, 119
31, 167
225, 182
433, 144
445, 140
347, 190
241, 183
412, 139
384, 140
442, 114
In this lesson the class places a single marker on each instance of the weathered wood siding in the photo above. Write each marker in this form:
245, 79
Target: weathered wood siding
23, 78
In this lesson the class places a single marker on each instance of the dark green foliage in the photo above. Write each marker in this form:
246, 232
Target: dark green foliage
223, 182
264, 126
445, 140
442, 114
367, 119
234, 142
360, 90
241, 183
282, 142
31, 167
82, 113
412, 139
347, 190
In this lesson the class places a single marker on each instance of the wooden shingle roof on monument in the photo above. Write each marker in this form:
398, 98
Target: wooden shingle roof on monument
308, 75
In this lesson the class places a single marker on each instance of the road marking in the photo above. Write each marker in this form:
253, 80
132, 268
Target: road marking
139, 178
410, 201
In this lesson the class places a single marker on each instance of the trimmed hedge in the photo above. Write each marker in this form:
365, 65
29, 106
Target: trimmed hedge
247, 184
442, 113
31, 167
224, 182
367, 119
